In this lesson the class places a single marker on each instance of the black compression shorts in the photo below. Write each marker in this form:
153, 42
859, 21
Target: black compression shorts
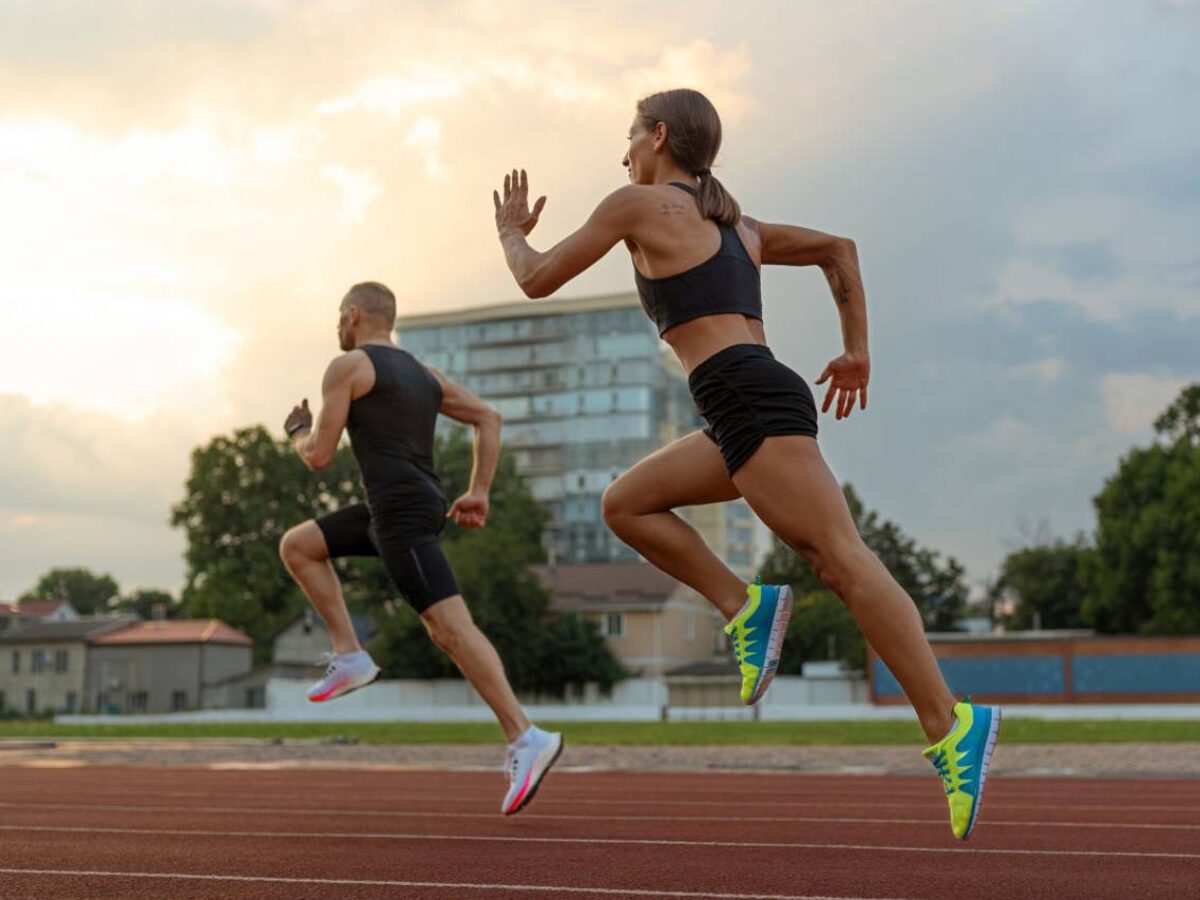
746, 395
414, 561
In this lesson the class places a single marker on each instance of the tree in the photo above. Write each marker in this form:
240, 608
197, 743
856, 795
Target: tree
244, 491
821, 628
1145, 573
86, 591
1043, 584
146, 603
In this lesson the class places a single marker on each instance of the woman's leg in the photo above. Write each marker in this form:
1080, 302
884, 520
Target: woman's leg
306, 557
638, 508
789, 487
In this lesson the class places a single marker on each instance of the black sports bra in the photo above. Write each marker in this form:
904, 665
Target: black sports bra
726, 282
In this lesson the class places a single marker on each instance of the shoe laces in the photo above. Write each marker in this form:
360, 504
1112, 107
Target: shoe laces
329, 661
941, 762
741, 642
510, 764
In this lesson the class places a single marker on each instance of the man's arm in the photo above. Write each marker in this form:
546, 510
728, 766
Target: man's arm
318, 445
541, 274
791, 245
470, 510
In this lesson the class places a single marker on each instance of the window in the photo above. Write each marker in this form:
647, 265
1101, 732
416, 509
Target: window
179, 700
60, 660
689, 628
138, 701
256, 698
71, 701
2, 703
16, 661
39, 661
31, 701
614, 625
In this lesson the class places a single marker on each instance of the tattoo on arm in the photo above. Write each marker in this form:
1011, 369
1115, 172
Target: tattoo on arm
837, 284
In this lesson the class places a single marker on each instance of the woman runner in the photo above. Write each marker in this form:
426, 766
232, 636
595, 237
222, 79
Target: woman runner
696, 262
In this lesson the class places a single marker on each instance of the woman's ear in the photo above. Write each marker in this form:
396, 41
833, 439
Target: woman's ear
660, 135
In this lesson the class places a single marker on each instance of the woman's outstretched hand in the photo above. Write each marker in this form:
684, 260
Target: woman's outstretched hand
847, 376
513, 211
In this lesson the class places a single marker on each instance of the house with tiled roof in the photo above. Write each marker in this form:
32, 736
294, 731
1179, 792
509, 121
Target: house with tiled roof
43, 665
47, 611
163, 665
651, 622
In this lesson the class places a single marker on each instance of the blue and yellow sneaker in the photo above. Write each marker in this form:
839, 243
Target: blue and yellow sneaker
757, 635
961, 759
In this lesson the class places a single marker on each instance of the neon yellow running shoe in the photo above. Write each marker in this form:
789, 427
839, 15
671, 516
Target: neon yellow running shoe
756, 633
961, 759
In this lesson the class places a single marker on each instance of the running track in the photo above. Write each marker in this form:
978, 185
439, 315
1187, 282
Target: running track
342, 833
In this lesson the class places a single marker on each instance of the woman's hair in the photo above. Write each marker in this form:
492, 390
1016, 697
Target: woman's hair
693, 139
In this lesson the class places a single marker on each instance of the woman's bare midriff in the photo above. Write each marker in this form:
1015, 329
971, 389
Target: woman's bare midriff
697, 340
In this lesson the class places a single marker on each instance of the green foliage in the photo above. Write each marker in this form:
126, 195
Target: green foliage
143, 603
244, 491
1045, 583
85, 590
1145, 573
821, 628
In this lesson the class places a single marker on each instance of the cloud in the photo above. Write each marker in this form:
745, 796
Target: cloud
189, 188
1132, 401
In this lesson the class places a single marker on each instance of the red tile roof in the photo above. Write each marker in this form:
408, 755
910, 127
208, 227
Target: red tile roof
175, 631
36, 609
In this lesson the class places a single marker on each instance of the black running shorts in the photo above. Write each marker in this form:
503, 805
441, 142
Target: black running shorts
414, 560
746, 395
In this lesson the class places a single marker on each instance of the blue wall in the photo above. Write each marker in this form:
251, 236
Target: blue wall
1042, 676
1143, 673
1033, 675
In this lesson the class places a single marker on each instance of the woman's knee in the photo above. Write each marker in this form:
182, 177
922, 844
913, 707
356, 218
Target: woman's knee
616, 505
839, 563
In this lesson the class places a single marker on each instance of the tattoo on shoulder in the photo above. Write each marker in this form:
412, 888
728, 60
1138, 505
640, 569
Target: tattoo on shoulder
674, 208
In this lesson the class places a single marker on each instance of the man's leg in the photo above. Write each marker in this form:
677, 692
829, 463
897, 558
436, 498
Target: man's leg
451, 627
306, 557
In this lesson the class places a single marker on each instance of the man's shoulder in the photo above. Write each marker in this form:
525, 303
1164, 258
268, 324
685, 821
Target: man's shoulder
346, 365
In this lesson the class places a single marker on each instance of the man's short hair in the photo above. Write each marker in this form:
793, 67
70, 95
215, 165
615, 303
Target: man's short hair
375, 300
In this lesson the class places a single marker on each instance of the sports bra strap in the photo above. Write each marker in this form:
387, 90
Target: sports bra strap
683, 187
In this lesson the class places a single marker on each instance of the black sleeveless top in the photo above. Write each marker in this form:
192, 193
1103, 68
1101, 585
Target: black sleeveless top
391, 428
726, 282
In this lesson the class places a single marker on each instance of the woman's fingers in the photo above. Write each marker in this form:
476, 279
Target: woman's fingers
496, 199
828, 398
537, 207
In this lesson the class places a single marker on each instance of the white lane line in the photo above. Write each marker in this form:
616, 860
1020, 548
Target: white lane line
564, 817
432, 885
650, 842
791, 804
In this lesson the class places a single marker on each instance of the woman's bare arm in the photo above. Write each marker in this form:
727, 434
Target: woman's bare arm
541, 274
791, 245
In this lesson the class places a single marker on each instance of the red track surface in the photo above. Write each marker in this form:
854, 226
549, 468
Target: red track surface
336, 833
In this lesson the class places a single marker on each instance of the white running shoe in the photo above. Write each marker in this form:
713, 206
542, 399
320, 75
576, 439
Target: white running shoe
344, 673
527, 762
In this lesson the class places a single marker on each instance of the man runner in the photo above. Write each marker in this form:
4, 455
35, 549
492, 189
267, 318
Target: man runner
389, 403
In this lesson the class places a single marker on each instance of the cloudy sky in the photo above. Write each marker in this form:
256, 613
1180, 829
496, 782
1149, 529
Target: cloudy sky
187, 188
